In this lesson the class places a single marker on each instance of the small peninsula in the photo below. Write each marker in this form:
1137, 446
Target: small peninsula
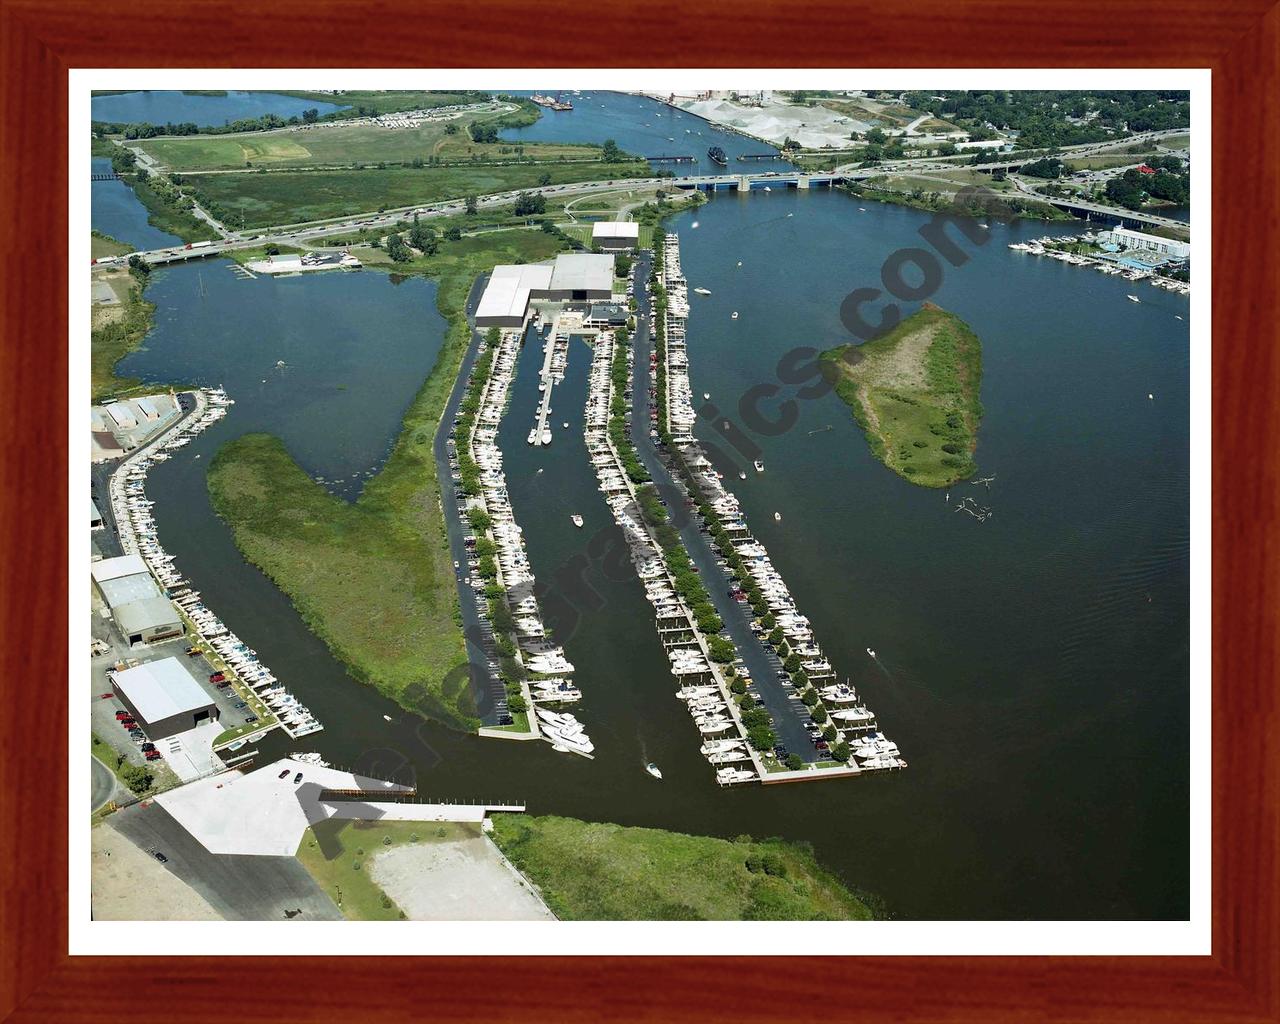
914, 393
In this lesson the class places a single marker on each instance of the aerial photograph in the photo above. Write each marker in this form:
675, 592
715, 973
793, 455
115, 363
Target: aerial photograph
667, 504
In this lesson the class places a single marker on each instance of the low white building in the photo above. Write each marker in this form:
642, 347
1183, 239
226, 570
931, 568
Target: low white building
615, 235
164, 697
1127, 239
122, 415
573, 276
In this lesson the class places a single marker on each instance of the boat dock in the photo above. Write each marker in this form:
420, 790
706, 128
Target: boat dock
703, 685
799, 684
132, 510
540, 663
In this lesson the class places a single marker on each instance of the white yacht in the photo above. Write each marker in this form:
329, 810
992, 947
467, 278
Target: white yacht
577, 521
1133, 298
702, 291
777, 517
546, 437
871, 652
759, 466
653, 770
734, 315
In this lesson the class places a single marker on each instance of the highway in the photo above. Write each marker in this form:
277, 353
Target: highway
306, 234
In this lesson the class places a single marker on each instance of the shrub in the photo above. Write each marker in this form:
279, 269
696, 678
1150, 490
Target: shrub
795, 762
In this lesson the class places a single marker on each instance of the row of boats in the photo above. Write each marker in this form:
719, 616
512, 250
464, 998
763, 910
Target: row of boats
1046, 247
544, 660
845, 708
138, 530
701, 688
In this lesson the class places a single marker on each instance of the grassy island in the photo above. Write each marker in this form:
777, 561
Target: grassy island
914, 393
374, 578
596, 872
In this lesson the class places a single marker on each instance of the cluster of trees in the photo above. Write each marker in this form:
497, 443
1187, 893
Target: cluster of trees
1042, 117
1171, 183
529, 204
1048, 167
147, 130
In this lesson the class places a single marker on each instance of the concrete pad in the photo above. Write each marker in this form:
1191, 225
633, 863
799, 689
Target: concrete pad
466, 880
190, 754
260, 813
370, 811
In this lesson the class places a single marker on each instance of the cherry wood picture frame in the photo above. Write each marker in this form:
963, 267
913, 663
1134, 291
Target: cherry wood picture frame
41, 39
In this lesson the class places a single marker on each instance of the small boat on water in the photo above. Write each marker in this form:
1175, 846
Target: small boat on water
777, 517
1133, 298
759, 466
577, 521
735, 315
565, 425
653, 770
386, 718
741, 475
706, 396
546, 437
871, 652
739, 262
702, 291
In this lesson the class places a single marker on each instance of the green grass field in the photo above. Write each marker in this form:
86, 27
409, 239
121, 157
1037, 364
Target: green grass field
596, 872
101, 245
914, 393
336, 853
1105, 160
374, 579
117, 333
275, 199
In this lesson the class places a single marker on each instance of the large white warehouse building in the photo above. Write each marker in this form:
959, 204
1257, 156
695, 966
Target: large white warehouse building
573, 276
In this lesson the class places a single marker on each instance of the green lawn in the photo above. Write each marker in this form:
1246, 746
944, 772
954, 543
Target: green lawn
374, 579
590, 871
286, 198
336, 853
914, 393
101, 245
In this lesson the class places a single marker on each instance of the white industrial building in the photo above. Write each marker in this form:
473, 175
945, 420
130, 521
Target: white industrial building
1127, 239
122, 415
164, 697
148, 408
506, 298
615, 235
142, 612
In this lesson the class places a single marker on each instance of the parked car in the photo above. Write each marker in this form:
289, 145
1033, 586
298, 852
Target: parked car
240, 704
217, 677
160, 856
297, 778
105, 696
250, 720
224, 684
283, 774
152, 755
148, 746
193, 652
121, 715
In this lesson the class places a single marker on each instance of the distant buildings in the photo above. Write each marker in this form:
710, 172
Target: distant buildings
1124, 238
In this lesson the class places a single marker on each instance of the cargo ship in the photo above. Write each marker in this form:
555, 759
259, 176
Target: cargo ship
717, 156
552, 102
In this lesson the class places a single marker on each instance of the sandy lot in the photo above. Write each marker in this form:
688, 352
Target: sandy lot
467, 880
128, 885
812, 127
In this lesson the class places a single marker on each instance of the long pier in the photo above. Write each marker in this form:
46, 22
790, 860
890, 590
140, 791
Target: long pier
111, 176
671, 159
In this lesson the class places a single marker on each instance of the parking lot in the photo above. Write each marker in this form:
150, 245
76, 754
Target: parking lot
188, 754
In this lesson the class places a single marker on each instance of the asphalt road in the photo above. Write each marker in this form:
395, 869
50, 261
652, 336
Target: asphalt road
488, 690
102, 783
240, 888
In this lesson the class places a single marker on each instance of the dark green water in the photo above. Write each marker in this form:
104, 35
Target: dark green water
1033, 668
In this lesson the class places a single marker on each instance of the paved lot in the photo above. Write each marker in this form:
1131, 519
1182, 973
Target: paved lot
102, 783
464, 880
239, 888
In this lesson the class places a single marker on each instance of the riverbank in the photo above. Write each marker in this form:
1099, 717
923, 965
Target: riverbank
374, 579
164, 214
978, 206
914, 393
593, 872
116, 331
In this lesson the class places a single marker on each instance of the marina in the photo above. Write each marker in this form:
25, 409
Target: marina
132, 511
544, 671
806, 670
703, 686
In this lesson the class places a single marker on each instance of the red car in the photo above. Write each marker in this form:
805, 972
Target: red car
128, 723
105, 696
217, 677
122, 714
153, 755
